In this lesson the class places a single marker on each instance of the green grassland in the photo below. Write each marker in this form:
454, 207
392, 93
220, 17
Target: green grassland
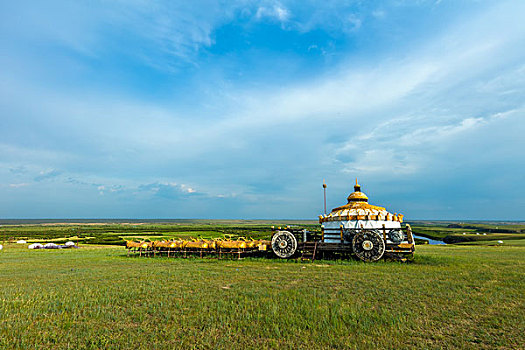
452, 296
97, 297
117, 233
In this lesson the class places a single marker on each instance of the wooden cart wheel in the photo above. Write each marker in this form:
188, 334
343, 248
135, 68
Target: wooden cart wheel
368, 245
284, 244
396, 236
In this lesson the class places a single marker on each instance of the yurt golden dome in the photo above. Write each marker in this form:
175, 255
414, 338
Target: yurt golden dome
357, 214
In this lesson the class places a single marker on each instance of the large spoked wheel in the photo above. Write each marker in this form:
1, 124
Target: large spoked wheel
396, 236
284, 244
368, 245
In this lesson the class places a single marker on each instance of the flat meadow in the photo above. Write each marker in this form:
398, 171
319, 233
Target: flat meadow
451, 296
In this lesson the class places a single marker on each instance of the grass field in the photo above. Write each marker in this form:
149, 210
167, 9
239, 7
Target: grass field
116, 233
96, 297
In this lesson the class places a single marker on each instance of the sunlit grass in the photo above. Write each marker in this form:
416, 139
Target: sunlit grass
96, 297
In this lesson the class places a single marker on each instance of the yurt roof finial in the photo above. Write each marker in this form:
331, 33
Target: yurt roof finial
357, 187
357, 195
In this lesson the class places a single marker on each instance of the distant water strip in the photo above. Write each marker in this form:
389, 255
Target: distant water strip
430, 240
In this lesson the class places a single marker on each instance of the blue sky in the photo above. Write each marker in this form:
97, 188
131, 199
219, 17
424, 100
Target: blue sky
240, 109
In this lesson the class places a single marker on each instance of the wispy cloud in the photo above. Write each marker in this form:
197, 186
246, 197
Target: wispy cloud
47, 174
168, 190
273, 11
18, 170
23, 184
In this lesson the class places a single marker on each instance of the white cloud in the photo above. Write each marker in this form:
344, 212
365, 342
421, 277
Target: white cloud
412, 148
19, 185
47, 174
353, 23
275, 11
169, 34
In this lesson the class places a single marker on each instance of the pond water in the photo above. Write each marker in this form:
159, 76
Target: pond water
430, 240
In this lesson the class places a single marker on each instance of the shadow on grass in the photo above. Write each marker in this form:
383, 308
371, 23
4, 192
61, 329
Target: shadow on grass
418, 260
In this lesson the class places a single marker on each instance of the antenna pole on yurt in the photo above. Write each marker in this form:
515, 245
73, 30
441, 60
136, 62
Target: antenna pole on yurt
324, 190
